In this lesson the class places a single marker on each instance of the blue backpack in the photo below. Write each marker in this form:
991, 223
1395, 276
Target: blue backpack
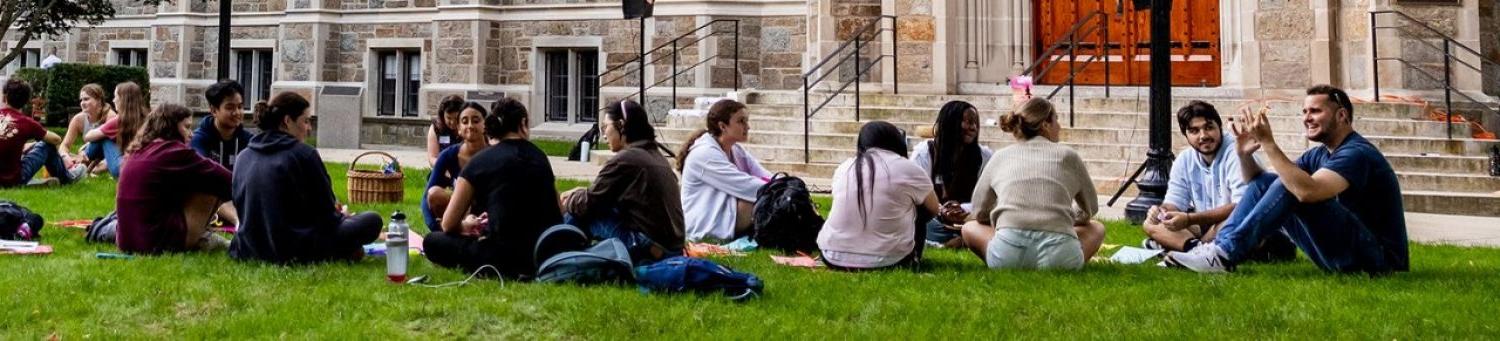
685, 274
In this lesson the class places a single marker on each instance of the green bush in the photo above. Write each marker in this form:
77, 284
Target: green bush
60, 84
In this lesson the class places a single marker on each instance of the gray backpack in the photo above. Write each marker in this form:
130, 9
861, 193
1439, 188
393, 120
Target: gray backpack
102, 230
564, 261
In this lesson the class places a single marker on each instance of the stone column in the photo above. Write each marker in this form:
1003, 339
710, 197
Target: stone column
1240, 54
1324, 59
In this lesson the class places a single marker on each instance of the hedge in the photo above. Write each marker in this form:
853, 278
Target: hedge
59, 85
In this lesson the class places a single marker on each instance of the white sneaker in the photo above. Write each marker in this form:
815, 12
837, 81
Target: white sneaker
1206, 258
1150, 244
78, 171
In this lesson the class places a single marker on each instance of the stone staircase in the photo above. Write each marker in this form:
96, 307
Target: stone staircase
1437, 175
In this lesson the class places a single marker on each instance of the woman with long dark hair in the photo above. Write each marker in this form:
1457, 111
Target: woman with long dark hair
952, 160
452, 161
719, 176
168, 193
288, 212
444, 131
636, 197
881, 205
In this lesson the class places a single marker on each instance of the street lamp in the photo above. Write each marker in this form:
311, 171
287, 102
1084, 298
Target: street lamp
224, 9
1157, 168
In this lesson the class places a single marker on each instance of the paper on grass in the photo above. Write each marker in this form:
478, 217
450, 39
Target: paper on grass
1134, 255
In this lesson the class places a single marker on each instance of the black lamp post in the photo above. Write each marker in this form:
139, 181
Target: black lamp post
224, 9
1158, 165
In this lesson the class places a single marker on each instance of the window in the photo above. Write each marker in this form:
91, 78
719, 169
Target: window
572, 85
130, 57
400, 83
254, 71
28, 58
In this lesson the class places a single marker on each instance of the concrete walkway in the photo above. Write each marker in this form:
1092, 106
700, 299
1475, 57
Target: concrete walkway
1421, 227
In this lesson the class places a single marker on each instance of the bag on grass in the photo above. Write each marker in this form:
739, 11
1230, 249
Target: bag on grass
102, 230
592, 137
19, 223
686, 274
566, 258
785, 218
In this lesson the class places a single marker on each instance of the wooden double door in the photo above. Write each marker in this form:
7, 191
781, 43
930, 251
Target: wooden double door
1125, 47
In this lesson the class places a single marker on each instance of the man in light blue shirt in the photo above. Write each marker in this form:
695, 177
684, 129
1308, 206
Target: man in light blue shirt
1206, 182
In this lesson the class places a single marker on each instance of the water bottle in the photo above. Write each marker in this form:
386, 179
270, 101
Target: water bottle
583, 152
396, 248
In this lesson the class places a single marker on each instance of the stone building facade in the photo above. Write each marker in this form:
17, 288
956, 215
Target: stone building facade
402, 56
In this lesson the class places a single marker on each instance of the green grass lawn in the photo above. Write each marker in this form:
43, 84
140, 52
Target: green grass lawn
1451, 294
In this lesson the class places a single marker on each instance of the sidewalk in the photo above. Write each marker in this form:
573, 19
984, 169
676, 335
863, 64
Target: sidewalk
1420, 227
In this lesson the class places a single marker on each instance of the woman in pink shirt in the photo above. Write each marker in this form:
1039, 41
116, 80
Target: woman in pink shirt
882, 202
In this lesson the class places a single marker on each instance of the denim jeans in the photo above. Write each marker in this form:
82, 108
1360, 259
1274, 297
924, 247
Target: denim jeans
1331, 235
608, 226
43, 155
105, 150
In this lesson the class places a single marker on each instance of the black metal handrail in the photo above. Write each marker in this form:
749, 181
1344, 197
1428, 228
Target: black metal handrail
684, 40
858, 41
1448, 60
1071, 40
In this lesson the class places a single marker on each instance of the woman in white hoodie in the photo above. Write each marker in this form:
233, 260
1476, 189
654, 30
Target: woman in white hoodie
719, 177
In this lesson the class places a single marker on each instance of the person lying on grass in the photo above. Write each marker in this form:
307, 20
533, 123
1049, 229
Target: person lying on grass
952, 159
1029, 198
719, 176
1340, 202
1205, 185
882, 203
452, 160
288, 212
501, 202
636, 198
20, 158
167, 194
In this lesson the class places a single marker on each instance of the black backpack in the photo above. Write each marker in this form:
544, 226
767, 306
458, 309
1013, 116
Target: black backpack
12, 215
592, 137
785, 218
565, 257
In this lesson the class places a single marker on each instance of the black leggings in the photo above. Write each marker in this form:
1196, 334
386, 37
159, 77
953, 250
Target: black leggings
453, 250
360, 229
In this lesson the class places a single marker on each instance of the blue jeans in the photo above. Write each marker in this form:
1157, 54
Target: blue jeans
608, 226
43, 155
938, 232
1331, 235
105, 150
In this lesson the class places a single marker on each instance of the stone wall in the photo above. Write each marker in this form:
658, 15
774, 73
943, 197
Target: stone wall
164, 54
454, 48
347, 47
668, 28
388, 131
1284, 30
373, 4
848, 17
89, 46
131, 7
296, 49
1415, 44
917, 30
239, 6
783, 43
514, 46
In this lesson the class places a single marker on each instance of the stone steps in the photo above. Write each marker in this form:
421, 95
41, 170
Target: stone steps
792, 101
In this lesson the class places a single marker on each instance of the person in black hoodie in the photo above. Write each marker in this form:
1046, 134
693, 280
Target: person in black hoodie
221, 135
288, 211
502, 201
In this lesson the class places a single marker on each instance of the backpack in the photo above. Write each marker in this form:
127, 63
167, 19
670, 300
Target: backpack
565, 261
686, 274
592, 137
12, 218
102, 230
785, 218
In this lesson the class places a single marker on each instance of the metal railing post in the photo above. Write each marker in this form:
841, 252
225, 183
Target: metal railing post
895, 61
736, 56
806, 113
1104, 43
1448, 83
1072, 74
1375, 55
674, 74
857, 73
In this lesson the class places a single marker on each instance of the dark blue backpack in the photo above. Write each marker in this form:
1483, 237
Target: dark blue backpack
685, 274
566, 257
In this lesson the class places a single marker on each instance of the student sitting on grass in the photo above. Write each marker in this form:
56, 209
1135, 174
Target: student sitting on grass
636, 196
882, 203
444, 130
1029, 198
452, 160
19, 162
1340, 202
131, 109
501, 203
168, 193
221, 135
719, 177
288, 212
952, 159
1204, 188
93, 112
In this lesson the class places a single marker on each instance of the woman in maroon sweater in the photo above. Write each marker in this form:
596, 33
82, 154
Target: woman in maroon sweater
167, 193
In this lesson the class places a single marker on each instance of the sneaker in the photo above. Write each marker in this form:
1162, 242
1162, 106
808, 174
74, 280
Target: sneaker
77, 171
47, 181
1150, 244
212, 242
1206, 258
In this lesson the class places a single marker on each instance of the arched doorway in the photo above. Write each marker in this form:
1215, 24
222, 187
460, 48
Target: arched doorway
1195, 44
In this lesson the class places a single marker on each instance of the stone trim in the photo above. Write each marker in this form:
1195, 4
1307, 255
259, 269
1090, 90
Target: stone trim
396, 43
252, 44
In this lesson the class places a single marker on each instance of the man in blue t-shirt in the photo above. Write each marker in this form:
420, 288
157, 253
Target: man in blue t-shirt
1340, 202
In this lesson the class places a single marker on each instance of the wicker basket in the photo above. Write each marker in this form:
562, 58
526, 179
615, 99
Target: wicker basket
375, 186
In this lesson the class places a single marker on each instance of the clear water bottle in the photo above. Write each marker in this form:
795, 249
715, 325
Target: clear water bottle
396, 248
